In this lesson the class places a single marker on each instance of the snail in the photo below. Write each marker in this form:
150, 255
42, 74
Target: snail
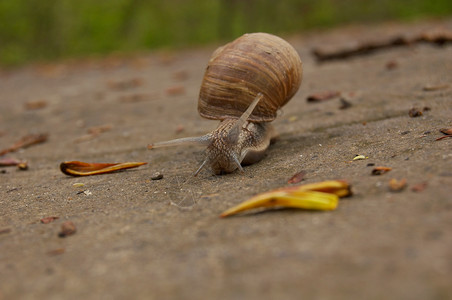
245, 83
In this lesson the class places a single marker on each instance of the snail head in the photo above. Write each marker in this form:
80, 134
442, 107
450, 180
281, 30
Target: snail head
223, 152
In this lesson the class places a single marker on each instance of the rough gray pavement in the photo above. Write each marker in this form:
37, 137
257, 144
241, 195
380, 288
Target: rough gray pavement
143, 239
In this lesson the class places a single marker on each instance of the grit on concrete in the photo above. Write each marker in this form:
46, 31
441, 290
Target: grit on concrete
139, 238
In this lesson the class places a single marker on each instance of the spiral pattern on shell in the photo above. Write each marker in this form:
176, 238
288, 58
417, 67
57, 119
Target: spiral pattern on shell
253, 63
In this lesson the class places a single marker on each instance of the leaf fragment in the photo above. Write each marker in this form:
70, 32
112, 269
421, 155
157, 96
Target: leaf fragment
316, 196
125, 84
323, 96
5, 230
360, 157
340, 188
397, 185
67, 228
446, 131
9, 161
48, 220
297, 177
25, 142
419, 187
35, 105
78, 168
380, 170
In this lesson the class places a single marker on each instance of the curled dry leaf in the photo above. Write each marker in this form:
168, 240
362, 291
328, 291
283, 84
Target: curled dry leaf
397, 185
26, 141
78, 168
316, 196
360, 157
380, 170
67, 228
323, 96
446, 131
297, 177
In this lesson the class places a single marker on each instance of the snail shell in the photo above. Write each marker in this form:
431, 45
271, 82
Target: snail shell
254, 63
245, 83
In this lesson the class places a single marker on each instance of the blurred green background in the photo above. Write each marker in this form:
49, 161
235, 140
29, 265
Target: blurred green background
36, 30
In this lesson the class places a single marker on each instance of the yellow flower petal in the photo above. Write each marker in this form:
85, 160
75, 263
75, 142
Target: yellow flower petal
317, 196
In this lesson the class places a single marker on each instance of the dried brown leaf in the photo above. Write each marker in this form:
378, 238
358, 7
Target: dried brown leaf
419, 187
298, 177
175, 90
57, 251
380, 170
5, 230
48, 220
136, 98
125, 84
34, 105
392, 64
67, 228
26, 141
323, 96
78, 168
446, 131
397, 185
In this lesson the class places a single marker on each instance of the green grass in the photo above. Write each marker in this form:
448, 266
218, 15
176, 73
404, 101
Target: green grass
34, 30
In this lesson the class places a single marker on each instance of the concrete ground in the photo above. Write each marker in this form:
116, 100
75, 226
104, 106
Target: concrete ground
139, 238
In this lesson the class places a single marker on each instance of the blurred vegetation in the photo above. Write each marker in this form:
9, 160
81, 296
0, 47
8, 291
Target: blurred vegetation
33, 30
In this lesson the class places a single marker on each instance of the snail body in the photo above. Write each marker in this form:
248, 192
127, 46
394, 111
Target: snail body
244, 85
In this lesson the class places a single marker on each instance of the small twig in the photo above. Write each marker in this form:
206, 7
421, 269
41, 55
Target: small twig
443, 137
438, 38
25, 142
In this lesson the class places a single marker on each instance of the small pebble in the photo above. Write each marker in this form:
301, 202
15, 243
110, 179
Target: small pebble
415, 112
157, 176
